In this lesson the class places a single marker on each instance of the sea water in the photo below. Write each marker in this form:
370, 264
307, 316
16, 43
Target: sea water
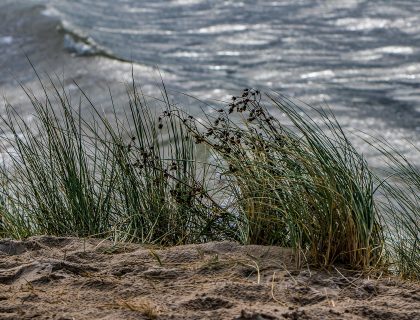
359, 57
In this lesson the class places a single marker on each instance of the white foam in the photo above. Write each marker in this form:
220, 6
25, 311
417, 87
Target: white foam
378, 53
218, 67
228, 53
187, 2
395, 50
50, 12
188, 54
357, 24
366, 24
78, 47
144, 30
220, 28
318, 74
6, 40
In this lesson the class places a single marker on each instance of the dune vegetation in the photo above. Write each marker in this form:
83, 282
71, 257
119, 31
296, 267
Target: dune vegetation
301, 185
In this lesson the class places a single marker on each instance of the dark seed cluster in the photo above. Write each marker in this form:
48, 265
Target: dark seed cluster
221, 132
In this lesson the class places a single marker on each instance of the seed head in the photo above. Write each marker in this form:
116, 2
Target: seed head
173, 166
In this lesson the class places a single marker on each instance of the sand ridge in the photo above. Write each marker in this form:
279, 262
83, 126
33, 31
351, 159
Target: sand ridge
71, 278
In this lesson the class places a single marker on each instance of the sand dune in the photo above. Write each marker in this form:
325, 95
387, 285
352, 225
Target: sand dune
71, 278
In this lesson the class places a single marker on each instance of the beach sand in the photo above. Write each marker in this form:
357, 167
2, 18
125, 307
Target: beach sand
71, 278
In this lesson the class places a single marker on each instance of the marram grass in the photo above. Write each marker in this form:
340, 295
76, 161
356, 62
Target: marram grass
302, 187
301, 184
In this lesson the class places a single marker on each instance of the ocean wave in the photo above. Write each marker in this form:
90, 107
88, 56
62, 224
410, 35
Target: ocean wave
80, 48
79, 44
74, 40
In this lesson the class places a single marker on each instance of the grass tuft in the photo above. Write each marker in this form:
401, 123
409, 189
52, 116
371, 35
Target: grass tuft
289, 181
302, 187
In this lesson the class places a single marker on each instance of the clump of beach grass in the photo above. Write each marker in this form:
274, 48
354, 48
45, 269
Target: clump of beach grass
303, 186
66, 176
50, 184
298, 183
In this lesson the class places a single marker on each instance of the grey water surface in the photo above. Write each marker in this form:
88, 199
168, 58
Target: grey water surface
359, 57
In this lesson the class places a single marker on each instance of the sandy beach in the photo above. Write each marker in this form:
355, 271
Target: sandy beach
70, 278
